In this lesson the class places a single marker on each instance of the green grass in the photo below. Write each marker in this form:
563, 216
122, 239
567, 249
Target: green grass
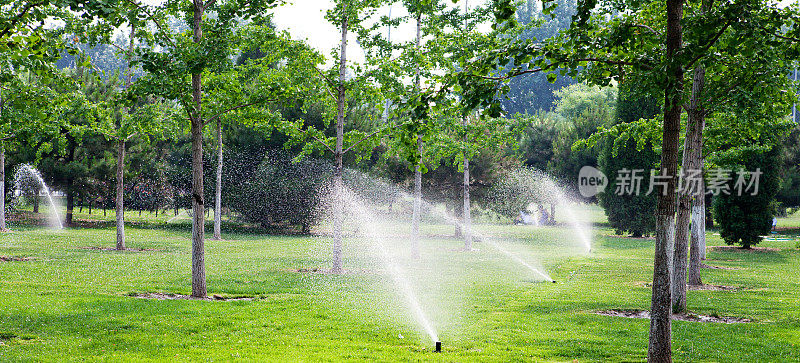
73, 304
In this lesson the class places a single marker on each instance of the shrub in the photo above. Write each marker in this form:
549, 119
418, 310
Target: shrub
743, 219
281, 192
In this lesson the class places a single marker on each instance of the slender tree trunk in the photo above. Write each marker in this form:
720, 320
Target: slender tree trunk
660, 345
90, 206
698, 239
2, 185
415, 218
70, 203
198, 202
692, 152
467, 205
338, 186
218, 196
120, 201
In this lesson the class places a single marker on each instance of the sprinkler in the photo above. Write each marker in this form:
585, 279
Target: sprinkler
554, 281
438, 348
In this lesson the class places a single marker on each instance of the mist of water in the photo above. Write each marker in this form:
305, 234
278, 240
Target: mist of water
376, 236
27, 170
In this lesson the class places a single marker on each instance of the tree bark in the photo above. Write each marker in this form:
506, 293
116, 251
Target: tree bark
660, 344
415, 218
198, 202
338, 185
120, 202
698, 240
218, 196
70, 203
692, 161
2, 185
467, 204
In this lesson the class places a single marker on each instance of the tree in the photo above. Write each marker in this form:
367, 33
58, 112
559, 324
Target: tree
744, 218
630, 212
347, 16
170, 58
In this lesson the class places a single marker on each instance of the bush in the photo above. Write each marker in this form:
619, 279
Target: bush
281, 192
743, 219
635, 214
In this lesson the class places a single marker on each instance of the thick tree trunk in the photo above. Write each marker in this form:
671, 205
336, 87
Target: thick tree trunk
218, 196
660, 345
198, 202
2, 186
338, 186
120, 201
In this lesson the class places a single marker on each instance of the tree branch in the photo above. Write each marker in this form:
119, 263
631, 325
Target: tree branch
323, 143
328, 81
236, 108
708, 46
152, 17
19, 17
365, 138
8, 137
552, 65
656, 32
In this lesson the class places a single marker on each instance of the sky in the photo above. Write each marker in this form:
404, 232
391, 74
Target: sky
305, 20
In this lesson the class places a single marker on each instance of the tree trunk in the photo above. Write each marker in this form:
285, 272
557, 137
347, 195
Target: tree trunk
70, 203
338, 205
458, 210
660, 344
2, 185
698, 239
198, 202
90, 206
467, 204
415, 218
120, 201
692, 161
218, 196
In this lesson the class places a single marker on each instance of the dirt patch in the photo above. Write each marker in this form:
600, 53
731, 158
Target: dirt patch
15, 259
718, 267
167, 296
707, 287
643, 314
643, 238
739, 249
94, 248
704, 287
320, 271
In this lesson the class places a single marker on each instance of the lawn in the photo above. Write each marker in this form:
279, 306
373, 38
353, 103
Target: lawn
73, 303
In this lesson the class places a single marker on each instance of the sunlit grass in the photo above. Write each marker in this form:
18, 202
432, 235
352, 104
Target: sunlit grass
73, 303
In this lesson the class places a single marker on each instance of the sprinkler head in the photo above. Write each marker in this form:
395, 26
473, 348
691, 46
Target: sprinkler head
554, 281
438, 348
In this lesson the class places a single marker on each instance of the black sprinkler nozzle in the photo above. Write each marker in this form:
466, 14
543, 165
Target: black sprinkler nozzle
438, 348
554, 281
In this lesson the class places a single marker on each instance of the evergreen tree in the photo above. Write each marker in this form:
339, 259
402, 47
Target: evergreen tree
634, 214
